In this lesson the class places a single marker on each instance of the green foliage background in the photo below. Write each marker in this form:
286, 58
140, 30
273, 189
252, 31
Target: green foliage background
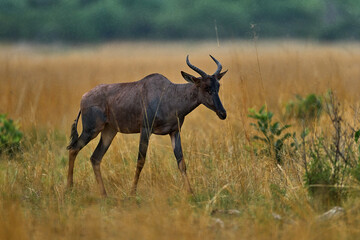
103, 20
10, 135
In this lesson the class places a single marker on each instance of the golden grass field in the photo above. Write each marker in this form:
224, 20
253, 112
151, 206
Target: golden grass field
41, 87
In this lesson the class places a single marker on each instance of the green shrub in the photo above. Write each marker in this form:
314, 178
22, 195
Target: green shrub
271, 133
319, 177
331, 157
307, 108
355, 172
10, 135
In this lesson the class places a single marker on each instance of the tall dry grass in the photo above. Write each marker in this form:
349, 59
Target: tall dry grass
41, 86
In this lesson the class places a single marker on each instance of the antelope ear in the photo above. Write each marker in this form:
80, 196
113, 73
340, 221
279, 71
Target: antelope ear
220, 75
190, 78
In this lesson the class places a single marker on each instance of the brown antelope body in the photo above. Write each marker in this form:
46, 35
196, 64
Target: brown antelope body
153, 105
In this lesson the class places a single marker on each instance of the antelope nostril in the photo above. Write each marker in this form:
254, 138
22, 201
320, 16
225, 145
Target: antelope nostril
222, 115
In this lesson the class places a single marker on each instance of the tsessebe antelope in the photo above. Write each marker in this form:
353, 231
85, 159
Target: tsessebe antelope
153, 105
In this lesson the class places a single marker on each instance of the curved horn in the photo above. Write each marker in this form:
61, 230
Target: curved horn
218, 70
198, 70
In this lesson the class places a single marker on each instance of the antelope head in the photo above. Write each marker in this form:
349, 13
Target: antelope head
208, 86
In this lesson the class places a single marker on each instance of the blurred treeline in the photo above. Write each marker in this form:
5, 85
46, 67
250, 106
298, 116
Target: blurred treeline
102, 20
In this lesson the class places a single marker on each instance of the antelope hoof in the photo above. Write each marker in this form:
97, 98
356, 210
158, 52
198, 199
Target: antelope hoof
133, 192
69, 185
190, 192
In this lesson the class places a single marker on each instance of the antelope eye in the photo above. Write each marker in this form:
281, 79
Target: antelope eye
208, 90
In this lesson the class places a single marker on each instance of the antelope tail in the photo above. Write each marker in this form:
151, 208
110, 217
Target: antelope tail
74, 134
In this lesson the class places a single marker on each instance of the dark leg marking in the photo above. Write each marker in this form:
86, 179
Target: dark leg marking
93, 121
107, 135
83, 140
176, 144
144, 142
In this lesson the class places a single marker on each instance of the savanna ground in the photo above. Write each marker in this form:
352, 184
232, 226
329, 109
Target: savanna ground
41, 87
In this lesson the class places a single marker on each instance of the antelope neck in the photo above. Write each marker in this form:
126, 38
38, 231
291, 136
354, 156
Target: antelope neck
186, 98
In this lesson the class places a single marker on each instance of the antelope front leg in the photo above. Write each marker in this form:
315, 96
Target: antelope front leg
144, 142
176, 144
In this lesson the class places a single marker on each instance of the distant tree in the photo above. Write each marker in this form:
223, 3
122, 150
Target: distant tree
101, 20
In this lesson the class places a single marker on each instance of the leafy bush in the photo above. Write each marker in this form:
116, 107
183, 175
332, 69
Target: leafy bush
332, 159
10, 135
307, 108
319, 177
356, 170
299, 145
271, 133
